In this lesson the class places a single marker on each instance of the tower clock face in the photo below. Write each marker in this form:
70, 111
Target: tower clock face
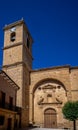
13, 29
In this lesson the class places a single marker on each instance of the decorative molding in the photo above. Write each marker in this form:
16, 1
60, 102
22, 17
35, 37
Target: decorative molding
50, 103
75, 90
12, 45
14, 64
49, 87
14, 24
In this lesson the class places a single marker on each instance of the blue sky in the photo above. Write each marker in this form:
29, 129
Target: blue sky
53, 25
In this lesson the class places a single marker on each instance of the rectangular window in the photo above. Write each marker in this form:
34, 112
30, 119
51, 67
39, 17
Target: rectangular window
2, 99
2, 120
10, 103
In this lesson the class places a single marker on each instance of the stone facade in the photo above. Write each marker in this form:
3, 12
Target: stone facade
51, 88
42, 92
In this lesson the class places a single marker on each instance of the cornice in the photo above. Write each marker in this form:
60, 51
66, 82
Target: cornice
12, 45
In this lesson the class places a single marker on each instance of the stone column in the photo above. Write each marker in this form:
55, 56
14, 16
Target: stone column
30, 108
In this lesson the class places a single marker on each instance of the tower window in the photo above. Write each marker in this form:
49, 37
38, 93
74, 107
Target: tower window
13, 36
28, 43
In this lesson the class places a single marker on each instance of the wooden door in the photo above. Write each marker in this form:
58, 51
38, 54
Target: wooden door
9, 124
50, 118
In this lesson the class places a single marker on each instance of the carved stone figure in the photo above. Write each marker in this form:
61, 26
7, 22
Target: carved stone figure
40, 100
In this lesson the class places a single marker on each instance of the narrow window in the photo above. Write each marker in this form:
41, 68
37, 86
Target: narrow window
28, 43
13, 36
10, 103
2, 99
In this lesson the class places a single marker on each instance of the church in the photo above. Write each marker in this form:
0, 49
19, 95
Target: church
42, 92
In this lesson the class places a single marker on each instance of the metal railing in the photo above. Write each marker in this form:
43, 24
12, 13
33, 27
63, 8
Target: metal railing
10, 107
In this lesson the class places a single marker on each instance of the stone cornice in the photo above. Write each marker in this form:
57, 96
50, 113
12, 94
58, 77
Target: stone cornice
17, 23
51, 68
14, 24
14, 64
12, 45
51, 103
75, 67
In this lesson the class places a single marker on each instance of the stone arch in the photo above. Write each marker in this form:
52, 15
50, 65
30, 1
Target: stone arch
48, 80
48, 93
12, 36
50, 107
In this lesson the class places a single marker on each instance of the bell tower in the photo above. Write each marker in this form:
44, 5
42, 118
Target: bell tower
17, 62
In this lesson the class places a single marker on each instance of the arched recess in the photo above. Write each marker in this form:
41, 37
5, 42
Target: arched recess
50, 118
13, 36
47, 80
47, 93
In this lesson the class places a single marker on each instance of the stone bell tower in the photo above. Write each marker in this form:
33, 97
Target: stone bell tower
17, 62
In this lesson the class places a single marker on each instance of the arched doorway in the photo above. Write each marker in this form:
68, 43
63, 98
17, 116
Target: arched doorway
50, 118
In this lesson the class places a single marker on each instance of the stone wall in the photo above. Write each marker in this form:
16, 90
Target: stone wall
57, 76
74, 83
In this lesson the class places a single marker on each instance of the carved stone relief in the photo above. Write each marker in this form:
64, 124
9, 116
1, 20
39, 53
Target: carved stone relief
50, 93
